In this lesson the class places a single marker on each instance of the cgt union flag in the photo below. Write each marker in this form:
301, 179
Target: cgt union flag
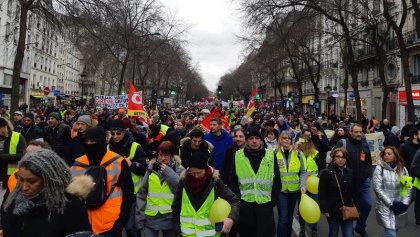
135, 102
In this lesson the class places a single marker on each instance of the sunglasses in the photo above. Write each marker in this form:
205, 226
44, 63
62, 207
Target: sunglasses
116, 133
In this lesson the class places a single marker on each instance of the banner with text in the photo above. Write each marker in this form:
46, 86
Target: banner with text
111, 101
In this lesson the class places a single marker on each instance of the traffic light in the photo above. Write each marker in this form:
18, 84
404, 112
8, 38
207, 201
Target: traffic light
219, 91
154, 93
290, 96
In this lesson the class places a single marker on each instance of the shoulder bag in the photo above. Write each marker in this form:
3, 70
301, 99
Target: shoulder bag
349, 213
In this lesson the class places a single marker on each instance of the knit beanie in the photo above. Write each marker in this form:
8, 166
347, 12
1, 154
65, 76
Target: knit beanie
198, 159
95, 134
55, 115
117, 125
30, 116
3, 122
253, 132
85, 119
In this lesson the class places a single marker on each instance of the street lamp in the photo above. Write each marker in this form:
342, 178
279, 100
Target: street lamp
84, 81
328, 90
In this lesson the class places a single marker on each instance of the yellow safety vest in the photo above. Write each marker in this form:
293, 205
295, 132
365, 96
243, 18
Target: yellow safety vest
309, 163
164, 128
196, 223
136, 178
159, 197
290, 175
255, 187
416, 183
14, 141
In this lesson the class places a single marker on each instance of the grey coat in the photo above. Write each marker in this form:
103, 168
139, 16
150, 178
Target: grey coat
386, 184
160, 221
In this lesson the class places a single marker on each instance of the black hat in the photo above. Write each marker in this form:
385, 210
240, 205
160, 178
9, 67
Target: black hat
95, 134
199, 159
117, 125
3, 122
55, 115
253, 132
29, 115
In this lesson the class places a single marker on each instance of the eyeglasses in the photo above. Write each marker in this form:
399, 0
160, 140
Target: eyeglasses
116, 133
286, 138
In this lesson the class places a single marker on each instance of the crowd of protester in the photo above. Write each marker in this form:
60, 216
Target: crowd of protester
162, 174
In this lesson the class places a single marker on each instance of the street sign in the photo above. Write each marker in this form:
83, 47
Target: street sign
46, 90
57, 92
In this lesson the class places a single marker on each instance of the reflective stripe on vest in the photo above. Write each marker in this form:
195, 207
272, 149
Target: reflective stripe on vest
136, 178
196, 223
289, 175
309, 163
103, 218
14, 141
159, 197
255, 187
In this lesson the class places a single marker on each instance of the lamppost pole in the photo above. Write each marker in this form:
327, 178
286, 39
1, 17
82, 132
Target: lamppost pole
83, 75
328, 90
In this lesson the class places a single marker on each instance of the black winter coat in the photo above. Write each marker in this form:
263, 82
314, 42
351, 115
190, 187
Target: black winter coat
407, 152
75, 149
58, 138
392, 140
329, 196
32, 132
36, 223
360, 164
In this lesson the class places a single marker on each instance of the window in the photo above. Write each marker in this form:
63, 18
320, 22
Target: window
9, 7
6, 37
35, 60
7, 80
416, 65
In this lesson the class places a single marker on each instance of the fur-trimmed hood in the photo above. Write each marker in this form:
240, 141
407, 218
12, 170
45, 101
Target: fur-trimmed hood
80, 186
216, 174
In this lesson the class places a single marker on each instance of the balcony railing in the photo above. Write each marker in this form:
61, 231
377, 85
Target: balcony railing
410, 37
416, 79
363, 53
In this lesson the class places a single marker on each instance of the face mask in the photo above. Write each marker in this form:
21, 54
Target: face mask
95, 152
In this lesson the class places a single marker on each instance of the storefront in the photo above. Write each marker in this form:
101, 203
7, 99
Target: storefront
365, 101
402, 100
36, 97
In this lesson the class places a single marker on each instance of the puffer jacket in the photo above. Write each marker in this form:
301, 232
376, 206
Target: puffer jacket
386, 184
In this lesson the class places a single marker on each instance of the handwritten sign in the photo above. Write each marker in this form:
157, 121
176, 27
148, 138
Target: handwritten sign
111, 101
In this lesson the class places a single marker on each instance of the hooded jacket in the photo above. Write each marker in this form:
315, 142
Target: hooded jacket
386, 184
36, 223
186, 152
58, 137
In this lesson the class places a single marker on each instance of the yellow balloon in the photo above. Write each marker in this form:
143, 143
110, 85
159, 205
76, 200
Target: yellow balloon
219, 211
309, 209
312, 184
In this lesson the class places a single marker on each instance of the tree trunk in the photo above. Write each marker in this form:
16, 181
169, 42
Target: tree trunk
416, 8
346, 87
20, 53
121, 80
353, 74
381, 66
408, 90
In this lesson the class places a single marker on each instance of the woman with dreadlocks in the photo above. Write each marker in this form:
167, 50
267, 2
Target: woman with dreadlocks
45, 203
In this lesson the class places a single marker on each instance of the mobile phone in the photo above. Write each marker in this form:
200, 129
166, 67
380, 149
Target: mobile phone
302, 140
156, 165
218, 226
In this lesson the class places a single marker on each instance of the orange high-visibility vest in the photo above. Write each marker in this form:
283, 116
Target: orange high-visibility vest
11, 182
103, 218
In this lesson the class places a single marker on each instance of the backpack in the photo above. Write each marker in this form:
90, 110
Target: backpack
98, 195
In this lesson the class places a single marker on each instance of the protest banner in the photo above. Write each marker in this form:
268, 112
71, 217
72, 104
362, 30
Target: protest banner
375, 142
111, 101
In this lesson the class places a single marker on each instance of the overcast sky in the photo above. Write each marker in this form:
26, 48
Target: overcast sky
212, 42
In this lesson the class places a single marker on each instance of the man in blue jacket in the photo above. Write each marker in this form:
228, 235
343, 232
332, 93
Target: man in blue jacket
221, 140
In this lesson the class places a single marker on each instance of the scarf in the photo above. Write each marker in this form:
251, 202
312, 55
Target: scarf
24, 205
197, 185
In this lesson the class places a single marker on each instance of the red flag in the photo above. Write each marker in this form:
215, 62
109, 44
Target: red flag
217, 112
252, 100
135, 102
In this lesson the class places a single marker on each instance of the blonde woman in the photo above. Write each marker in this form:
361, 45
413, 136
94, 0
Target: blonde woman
293, 179
309, 155
391, 201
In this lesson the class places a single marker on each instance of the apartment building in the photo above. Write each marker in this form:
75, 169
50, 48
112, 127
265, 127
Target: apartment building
51, 62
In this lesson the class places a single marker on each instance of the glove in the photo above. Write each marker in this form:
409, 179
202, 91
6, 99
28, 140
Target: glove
398, 207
